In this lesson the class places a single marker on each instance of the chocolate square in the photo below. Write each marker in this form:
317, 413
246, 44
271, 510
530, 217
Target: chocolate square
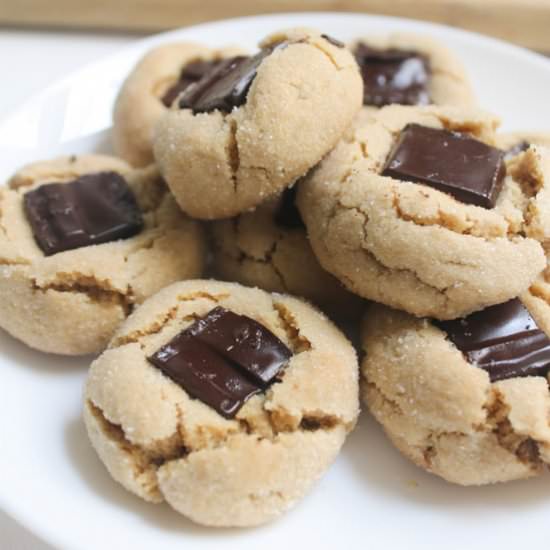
504, 340
93, 209
245, 342
226, 86
204, 374
190, 73
466, 168
223, 359
393, 76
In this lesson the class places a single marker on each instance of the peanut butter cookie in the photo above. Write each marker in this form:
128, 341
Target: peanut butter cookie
254, 125
418, 210
227, 402
82, 240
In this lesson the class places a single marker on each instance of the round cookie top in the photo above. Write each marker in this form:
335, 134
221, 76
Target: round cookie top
466, 399
269, 248
176, 440
254, 125
151, 87
401, 225
82, 240
410, 69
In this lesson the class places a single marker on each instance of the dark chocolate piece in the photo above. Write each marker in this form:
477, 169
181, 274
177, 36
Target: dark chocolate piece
93, 209
204, 374
516, 149
192, 72
393, 76
223, 359
457, 164
287, 214
226, 86
333, 41
245, 342
504, 340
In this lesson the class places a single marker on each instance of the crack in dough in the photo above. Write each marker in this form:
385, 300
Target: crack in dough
95, 290
386, 269
288, 322
524, 448
233, 155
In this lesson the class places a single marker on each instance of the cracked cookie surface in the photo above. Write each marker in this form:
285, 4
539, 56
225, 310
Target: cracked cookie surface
254, 250
448, 82
72, 302
301, 101
415, 248
531, 168
139, 104
442, 412
161, 444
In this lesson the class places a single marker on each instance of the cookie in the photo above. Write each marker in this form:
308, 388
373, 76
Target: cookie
149, 90
254, 125
410, 69
82, 240
227, 402
468, 399
382, 216
269, 248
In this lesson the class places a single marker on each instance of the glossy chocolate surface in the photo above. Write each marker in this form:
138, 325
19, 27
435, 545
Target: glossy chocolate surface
205, 374
223, 359
504, 340
287, 214
457, 164
192, 72
393, 76
93, 209
226, 86
245, 342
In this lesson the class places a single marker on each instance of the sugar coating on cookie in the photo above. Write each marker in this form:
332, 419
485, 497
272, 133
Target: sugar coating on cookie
269, 248
411, 246
162, 444
299, 100
71, 302
411, 69
442, 411
529, 160
146, 93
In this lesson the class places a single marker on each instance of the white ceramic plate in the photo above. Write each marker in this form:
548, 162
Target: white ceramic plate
50, 478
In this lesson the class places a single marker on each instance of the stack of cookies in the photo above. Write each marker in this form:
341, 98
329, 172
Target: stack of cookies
320, 181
